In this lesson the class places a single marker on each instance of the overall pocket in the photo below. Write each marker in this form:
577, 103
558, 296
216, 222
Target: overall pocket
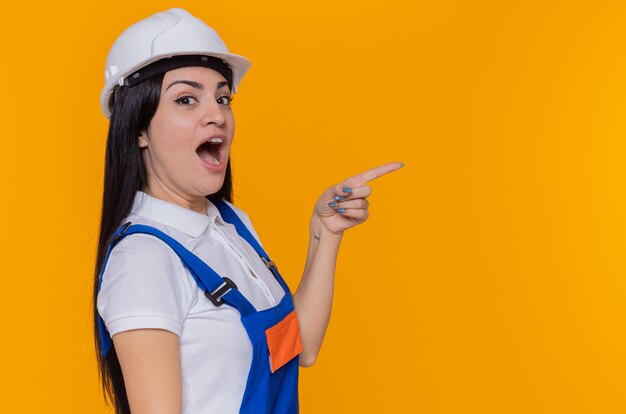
283, 341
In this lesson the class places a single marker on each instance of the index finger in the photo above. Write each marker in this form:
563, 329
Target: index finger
360, 179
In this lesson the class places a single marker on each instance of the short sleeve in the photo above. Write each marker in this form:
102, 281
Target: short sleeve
246, 220
144, 285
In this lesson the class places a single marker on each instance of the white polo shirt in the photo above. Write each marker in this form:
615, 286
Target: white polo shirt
145, 285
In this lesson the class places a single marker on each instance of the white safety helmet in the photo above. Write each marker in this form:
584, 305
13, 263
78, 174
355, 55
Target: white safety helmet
170, 33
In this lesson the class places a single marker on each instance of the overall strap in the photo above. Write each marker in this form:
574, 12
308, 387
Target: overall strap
219, 290
207, 279
229, 216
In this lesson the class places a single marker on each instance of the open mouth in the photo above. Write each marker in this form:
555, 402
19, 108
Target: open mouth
210, 151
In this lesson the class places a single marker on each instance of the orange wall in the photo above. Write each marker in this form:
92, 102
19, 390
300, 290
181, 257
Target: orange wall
490, 276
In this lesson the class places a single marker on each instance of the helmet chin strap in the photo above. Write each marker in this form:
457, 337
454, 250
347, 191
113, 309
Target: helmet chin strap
175, 62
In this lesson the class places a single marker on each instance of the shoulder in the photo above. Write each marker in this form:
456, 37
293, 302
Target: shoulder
142, 259
144, 250
144, 285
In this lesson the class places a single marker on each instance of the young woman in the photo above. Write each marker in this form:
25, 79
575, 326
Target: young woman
191, 315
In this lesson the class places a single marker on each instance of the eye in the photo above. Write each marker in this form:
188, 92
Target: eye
225, 100
185, 100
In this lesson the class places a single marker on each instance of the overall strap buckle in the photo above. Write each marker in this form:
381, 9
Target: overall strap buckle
120, 232
216, 297
269, 263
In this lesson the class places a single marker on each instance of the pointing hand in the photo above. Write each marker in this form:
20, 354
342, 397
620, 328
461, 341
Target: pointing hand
345, 205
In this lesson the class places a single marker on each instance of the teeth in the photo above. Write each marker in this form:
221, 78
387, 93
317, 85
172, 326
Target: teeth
212, 159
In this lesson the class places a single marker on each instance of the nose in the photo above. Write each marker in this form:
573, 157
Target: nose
213, 114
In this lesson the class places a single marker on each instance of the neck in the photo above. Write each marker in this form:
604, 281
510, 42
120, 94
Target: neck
160, 191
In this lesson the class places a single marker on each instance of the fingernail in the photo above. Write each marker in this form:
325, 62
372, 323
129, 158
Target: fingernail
401, 164
347, 190
339, 198
332, 204
342, 210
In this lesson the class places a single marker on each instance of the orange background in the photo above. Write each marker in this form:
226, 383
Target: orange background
490, 275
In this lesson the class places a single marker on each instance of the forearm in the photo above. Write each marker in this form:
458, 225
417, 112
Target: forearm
314, 296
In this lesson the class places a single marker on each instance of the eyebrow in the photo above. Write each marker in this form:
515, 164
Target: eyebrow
195, 84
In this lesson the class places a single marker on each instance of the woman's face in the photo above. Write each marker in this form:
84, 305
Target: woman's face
187, 144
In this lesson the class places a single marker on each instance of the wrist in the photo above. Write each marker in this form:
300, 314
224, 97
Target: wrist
319, 231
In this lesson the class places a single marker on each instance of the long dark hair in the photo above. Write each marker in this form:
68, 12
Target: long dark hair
132, 110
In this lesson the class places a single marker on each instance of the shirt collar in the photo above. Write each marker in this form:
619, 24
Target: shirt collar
173, 215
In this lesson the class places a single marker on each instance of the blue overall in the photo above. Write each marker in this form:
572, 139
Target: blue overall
270, 389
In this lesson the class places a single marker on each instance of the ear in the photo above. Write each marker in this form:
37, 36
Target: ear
142, 139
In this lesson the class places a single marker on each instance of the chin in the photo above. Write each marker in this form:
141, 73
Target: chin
213, 189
